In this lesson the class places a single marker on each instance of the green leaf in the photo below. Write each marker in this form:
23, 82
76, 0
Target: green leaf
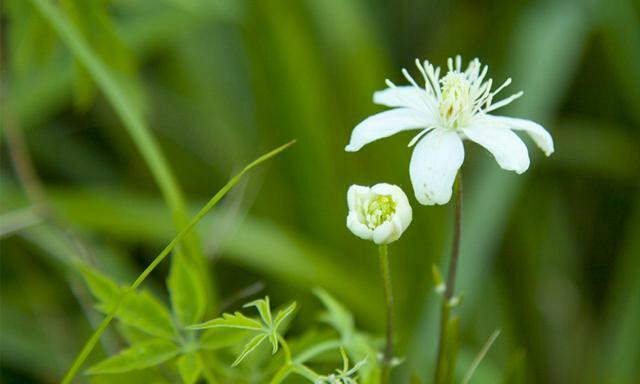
236, 320
139, 310
105, 290
264, 309
249, 347
280, 317
283, 315
337, 315
145, 312
139, 356
218, 338
189, 367
187, 290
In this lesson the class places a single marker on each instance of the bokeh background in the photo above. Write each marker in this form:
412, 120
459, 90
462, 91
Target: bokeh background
551, 257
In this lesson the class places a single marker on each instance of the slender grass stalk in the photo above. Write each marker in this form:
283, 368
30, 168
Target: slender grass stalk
387, 358
451, 282
88, 347
131, 117
476, 362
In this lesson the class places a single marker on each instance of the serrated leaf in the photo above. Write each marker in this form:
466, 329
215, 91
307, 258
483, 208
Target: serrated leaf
105, 290
145, 312
131, 334
218, 338
283, 314
249, 347
264, 309
337, 315
139, 356
236, 320
273, 339
139, 309
189, 367
187, 290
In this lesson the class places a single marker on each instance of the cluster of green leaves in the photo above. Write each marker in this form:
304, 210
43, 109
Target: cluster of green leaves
156, 334
160, 338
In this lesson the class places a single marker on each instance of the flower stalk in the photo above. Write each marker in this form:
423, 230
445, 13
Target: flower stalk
443, 366
387, 357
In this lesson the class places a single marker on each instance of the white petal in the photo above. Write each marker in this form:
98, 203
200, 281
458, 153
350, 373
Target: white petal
507, 148
385, 124
538, 134
354, 193
404, 96
404, 213
385, 233
385, 189
358, 228
434, 165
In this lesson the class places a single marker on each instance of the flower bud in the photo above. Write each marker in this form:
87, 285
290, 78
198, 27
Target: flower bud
379, 213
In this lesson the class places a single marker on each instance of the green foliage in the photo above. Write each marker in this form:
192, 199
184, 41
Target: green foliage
139, 356
139, 309
190, 367
359, 345
187, 290
345, 375
268, 329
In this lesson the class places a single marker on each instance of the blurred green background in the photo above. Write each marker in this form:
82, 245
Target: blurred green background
551, 257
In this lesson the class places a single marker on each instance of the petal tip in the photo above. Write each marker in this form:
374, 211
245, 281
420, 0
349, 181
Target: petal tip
351, 148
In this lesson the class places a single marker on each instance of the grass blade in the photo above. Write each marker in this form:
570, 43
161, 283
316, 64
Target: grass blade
88, 347
483, 352
124, 107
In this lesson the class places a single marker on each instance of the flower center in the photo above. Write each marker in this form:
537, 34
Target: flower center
456, 99
379, 210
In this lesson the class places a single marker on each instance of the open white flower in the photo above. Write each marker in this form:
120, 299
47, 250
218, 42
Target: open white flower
380, 213
448, 110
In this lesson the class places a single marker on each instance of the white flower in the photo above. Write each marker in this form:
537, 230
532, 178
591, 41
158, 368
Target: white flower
380, 213
448, 110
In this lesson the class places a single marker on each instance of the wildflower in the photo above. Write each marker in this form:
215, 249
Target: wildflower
448, 110
380, 213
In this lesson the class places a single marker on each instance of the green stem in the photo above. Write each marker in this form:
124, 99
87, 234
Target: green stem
387, 357
285, 347
451, 281
284, 371
88, 347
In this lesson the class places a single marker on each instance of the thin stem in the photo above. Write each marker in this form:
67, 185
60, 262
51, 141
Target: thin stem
285, 348
388, 295
483, 352
451, 279
457, 233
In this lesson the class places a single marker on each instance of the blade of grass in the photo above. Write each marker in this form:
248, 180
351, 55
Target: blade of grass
132, 119
88, 347
481, 355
